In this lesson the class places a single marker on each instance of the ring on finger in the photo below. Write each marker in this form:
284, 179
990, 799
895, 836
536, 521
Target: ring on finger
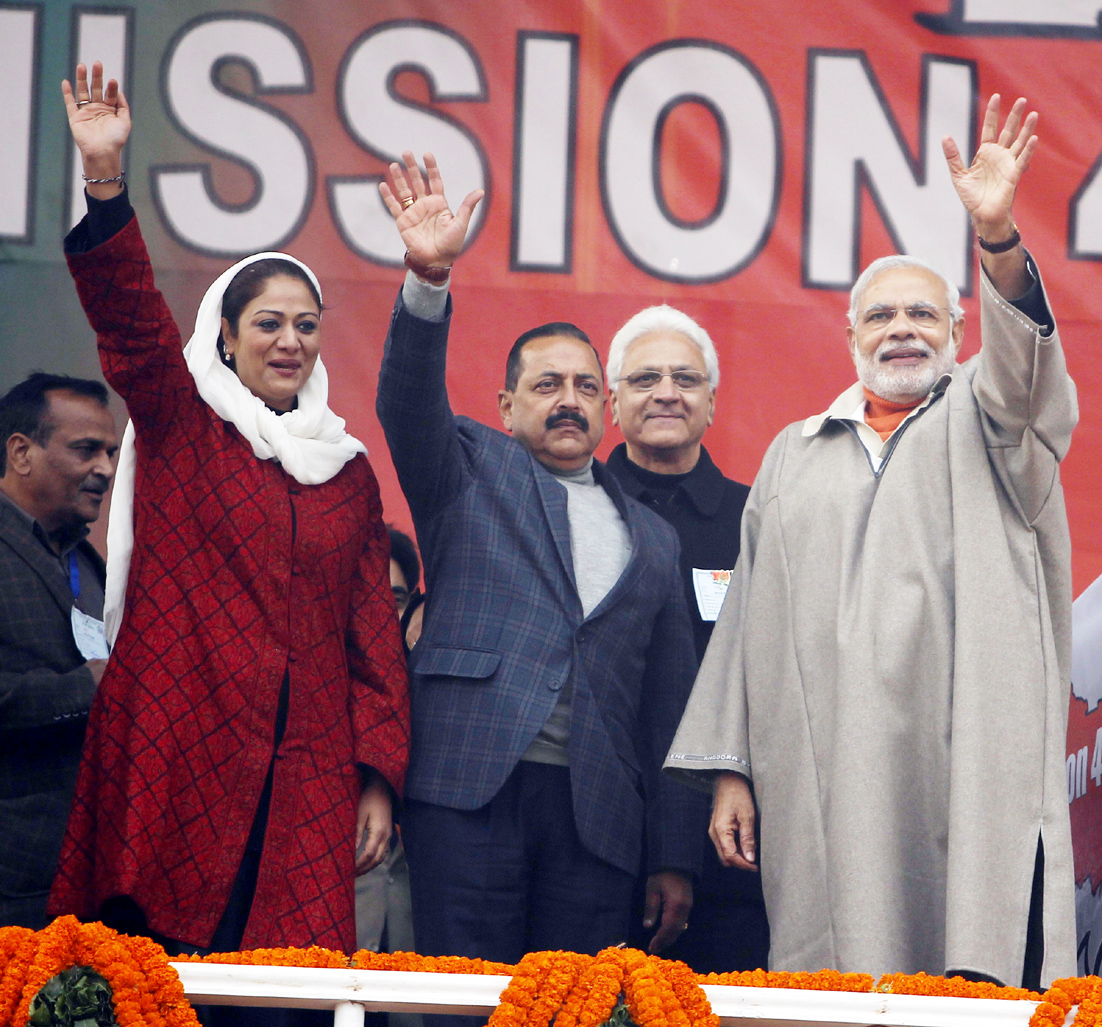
81, 103
408, 202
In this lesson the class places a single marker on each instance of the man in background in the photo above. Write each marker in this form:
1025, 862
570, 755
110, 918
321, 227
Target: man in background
405, 580
405, 568
663, 373
57, 459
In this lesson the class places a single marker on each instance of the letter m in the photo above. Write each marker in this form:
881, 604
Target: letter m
853, 140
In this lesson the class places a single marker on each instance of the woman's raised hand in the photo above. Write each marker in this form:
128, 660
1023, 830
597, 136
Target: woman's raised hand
432, 233
99, 118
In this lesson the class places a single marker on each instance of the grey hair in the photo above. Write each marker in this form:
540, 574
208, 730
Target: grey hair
661, 318
956, 311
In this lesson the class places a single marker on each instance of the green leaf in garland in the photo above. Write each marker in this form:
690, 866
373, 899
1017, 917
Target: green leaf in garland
620, 1017
77, 997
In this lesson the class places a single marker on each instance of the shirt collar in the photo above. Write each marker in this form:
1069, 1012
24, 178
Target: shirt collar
703, 485
850, 406
66, 542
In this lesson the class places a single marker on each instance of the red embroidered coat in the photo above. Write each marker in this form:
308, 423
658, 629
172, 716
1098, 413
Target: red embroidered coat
239, 573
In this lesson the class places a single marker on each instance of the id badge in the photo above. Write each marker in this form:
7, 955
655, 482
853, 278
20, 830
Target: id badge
710, 588
89, 636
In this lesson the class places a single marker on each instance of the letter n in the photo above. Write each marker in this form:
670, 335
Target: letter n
854, 140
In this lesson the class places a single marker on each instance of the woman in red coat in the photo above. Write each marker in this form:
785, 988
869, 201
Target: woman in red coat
252, 725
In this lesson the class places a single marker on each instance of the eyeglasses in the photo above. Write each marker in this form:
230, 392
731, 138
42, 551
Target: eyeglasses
921, 315
647, 381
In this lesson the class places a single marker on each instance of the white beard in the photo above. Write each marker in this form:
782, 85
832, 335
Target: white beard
899, 384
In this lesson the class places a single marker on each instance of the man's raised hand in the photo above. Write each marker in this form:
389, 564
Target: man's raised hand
986, 187
432, 233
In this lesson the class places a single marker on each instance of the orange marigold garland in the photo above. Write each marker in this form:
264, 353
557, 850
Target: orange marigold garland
18, 945
146, 991
111, 958
651, 999
314, 956
1058, 1000
565, 988
952, 987
1089, 1013
365, 959
562, 975
686, 984
519, 996
824, 980
1084, 992
593, 997
51, 956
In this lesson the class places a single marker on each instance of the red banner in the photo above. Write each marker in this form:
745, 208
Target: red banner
741, 161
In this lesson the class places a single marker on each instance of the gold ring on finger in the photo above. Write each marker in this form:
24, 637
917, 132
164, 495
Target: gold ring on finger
408, 202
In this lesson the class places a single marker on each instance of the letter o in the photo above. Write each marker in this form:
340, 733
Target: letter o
739, 98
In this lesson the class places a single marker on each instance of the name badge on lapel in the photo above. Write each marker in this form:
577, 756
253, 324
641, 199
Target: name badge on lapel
89, 636
710, 588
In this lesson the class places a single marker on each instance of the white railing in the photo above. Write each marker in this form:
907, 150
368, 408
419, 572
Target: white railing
351, 993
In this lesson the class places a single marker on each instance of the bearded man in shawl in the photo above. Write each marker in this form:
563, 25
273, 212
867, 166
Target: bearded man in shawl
252, 724
890, 667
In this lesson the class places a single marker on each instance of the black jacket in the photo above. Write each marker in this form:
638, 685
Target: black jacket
705, 511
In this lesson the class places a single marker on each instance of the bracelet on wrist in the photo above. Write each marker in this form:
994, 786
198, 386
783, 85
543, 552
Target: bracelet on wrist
1000, 247
103, 181
436, 275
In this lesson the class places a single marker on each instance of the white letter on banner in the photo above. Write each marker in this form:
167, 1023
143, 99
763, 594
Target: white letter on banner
18, 44
1085, 217
854, 140
544, 130
100, 37
1082, 13
696, 71
385, 124
239, 128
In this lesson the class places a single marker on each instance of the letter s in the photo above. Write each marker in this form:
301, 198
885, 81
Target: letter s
385, 124
239, 128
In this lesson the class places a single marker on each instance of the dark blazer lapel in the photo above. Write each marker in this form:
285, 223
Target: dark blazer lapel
94, 559
553, 497
16, 533
630, 517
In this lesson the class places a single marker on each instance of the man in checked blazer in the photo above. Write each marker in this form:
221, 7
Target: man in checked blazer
57, 458
556, 652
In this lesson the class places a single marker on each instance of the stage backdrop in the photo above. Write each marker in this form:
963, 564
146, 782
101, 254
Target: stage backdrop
738, 159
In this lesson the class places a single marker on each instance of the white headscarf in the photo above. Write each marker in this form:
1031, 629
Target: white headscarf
309, 442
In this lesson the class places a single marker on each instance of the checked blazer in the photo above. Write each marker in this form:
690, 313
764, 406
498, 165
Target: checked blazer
45, 694
504, 629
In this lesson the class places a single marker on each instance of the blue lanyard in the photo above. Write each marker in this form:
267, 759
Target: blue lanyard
74, 574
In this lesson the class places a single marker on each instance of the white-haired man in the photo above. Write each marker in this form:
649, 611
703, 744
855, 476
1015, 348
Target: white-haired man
662, 375
891, 665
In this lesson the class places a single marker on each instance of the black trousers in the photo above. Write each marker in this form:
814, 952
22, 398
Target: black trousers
513, 876
728, 929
